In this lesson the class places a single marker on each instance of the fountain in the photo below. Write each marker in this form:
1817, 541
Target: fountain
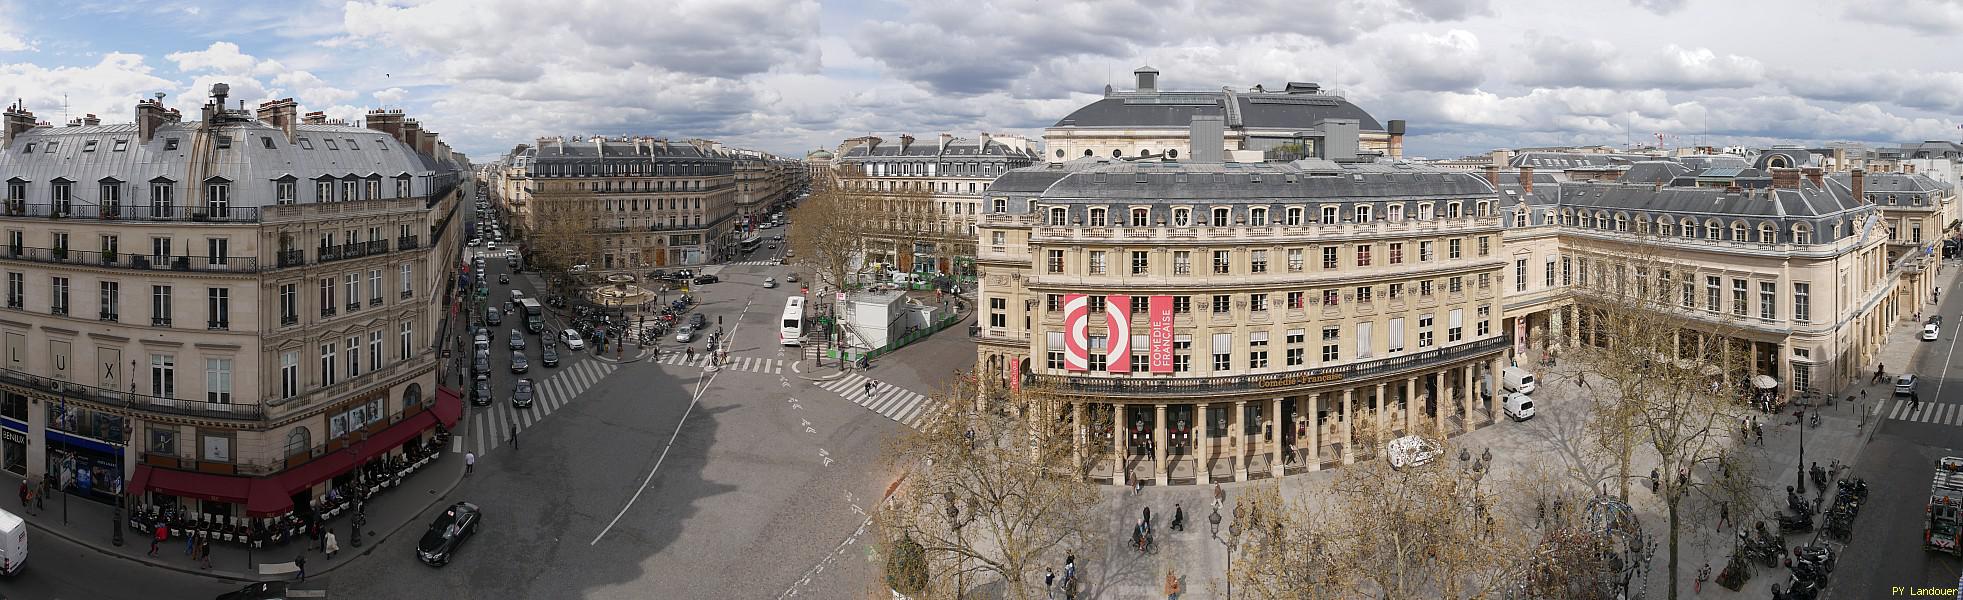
620, 292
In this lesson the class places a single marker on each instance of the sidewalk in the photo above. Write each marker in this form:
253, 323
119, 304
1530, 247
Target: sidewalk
1199, 559
922, 366
89, 524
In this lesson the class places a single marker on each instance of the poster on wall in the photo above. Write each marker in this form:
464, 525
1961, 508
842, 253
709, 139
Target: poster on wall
1117, 321
1076, 332
1159, 318
1015, 375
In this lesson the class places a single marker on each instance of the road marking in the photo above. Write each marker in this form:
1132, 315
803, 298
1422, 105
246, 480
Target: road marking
701, 386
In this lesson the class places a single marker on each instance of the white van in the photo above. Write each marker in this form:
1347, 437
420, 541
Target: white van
1517, 380
13, 543
1519, 406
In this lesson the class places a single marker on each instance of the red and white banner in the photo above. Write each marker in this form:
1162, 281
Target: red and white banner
1076, 332
1160, 320
1015, 375
1117, 341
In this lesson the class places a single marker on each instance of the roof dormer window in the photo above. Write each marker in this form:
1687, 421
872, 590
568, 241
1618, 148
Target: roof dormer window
120, 145
51, 147
267, 141
352, 145
330, 144
305, 144
89, 146
170, 143
29, 149
224, 141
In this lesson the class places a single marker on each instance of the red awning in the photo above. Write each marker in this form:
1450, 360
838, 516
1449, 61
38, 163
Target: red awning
273, 495
449, 406
191, 484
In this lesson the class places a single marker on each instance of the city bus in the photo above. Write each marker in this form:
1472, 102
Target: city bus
750, 244
792, 333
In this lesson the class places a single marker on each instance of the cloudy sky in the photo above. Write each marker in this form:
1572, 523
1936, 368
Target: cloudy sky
788, 76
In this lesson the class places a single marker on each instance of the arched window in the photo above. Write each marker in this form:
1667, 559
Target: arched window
1802, 234
1621, 222
1713, 230
1766, 234
298, 441
1690, 229
413, 395
1182, 217
1666, 226
1294, 215
1642, 224
1737, 231
1567, 217
1141, 217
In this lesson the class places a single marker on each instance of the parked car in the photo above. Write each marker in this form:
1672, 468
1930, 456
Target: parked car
549, 355
480, 394
521, 394
572, 339
1519, 406
1906, 384
447, 533
517, 340
483, 364
1411, 451
520, 364
685, 335
1931, 331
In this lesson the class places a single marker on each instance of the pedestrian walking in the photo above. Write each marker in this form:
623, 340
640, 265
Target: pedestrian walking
1148, 518
1172, 585
1137, 484
23, 494
514, 436
300, 564
1914, 402
1219, 496
190, 543
1703, 575
1724, 514
1178, 517
469, 462
204, 553
162, 533
1049, 584
329, 545
868, 389
1655, 481
41, 497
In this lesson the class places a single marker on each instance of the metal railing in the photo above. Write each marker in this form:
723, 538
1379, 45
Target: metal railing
1200, 386
134, 212
131, 399
224, 264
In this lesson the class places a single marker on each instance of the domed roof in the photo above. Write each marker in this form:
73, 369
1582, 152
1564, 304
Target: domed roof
819, 153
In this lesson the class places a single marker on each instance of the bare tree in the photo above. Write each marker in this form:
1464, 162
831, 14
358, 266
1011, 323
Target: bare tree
827, 237
565, 232
1672, 375
987, 495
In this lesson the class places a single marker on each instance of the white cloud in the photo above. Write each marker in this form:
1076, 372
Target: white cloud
1558, 61
311, 89
1451, 60
223, 58
391, 96
1928, 17
108, 88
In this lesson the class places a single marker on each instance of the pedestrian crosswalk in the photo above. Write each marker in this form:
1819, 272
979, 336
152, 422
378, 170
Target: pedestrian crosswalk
490, 426
747, 364
1925, 412
894, 402
756, 263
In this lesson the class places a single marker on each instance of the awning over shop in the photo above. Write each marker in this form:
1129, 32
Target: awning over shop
192, 484
274, 495
449, 406
1765, 382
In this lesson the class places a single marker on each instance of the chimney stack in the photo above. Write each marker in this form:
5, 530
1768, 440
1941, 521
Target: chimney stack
89, 120
1858, 179
389, 121
17, 121
1148, 80
282, 113
314, 118
1526, 179
906, 139
982, 146
1816, 175
150, 115
1785, 178
945, 139
1493, 176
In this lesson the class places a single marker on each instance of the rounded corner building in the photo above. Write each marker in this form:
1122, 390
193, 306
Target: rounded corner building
229, 317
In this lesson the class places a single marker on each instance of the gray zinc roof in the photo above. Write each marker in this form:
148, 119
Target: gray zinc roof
1257, 111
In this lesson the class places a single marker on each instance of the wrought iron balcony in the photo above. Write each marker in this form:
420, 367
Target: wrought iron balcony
133, 212
222, 264
1203, 386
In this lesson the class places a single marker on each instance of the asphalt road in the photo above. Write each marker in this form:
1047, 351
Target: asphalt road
667, 481
1887, 545
59, 570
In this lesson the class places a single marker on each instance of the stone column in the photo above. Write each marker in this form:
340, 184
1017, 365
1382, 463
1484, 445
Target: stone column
1237, 440
1200, 443
1118, 433
1498, 386
1349, 416
1383, 413
1077, 445
1315, 432
1159, 442
1445, 398
1275, 448
1471, 394
1412, 407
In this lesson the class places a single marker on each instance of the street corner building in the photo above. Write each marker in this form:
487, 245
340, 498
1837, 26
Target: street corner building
931, 190
229, 316
619, 205
1240, 288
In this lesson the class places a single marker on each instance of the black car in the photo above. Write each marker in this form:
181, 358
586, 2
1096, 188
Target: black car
265, 590
521, 395
517, 340
447, 533
549, 356
706, 279
698, 321
483, 364
480, 394
518, 362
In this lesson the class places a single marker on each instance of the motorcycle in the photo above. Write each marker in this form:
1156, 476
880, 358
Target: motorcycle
1819, 476
1818, 554
1814, 421
1796, 590
1789, 523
